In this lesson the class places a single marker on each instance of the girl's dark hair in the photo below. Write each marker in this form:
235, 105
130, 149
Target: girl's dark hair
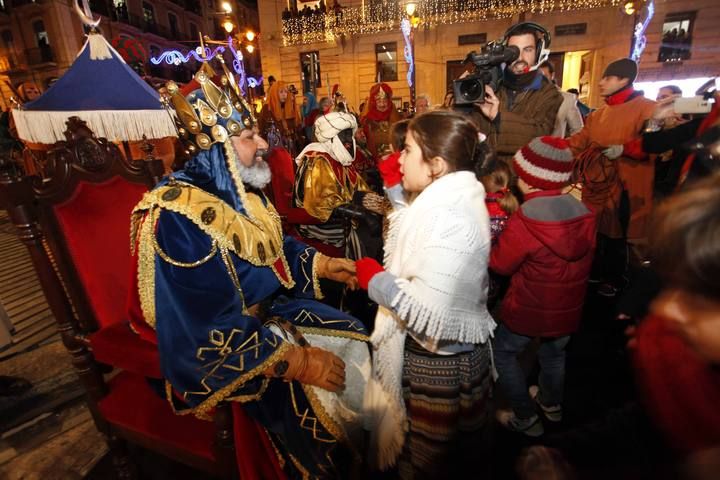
685, 239
500, 180
399, 130
453, 137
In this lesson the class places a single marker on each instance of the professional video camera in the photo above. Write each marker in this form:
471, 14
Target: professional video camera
471, 89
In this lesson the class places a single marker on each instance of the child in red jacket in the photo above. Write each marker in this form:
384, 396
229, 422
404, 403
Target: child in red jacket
547, 247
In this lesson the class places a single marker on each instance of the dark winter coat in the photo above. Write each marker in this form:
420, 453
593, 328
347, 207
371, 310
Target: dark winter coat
547, 247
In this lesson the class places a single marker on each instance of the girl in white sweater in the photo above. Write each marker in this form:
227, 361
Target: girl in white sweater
431, 365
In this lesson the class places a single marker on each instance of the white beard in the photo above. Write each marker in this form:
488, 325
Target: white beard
257, 176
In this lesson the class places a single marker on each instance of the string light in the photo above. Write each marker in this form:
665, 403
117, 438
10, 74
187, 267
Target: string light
384, 15
254, 81
205, 54
640, 41
176, 57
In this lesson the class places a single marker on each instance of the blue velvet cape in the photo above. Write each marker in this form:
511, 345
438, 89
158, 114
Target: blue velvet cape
208, 342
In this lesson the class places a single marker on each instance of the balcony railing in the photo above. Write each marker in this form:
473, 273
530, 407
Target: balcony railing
36, 56
374, 16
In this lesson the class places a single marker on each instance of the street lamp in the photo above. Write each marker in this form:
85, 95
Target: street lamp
250, 35
228, 25
410, 8
226, 7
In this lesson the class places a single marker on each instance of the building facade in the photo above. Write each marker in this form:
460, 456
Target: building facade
584, 40
40, 39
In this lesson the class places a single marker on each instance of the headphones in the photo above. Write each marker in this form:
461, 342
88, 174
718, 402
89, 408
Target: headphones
542, 45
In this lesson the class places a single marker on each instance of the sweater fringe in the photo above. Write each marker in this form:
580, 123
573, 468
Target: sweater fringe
438, 322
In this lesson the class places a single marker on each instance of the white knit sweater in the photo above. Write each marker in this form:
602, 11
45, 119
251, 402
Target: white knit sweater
438, 247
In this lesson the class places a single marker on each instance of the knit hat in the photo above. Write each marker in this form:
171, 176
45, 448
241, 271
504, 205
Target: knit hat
623, 68
545, 163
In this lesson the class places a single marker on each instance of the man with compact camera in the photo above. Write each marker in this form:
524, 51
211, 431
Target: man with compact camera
516, 104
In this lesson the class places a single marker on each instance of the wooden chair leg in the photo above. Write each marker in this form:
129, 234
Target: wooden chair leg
124, 468
224, 441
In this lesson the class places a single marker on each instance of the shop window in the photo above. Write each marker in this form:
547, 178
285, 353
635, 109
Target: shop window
676, 37
310, 67
386, 62
173, 22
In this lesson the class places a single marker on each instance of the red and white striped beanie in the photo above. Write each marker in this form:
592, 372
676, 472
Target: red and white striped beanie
545, 163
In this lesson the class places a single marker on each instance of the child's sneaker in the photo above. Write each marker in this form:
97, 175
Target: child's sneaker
532, 427
553, 412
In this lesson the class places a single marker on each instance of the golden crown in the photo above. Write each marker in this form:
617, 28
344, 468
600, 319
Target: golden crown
211, 114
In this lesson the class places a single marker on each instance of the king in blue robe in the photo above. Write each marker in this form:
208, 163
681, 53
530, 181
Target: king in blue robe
233, 304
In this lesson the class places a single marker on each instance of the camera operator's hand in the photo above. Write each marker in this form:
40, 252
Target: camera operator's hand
491, 105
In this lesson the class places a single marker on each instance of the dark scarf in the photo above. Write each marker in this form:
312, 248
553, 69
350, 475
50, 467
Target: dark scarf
520, 82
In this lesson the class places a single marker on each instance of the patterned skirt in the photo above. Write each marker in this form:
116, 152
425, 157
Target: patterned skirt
446, 397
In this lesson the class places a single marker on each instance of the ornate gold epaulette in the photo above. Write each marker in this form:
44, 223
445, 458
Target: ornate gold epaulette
258, 240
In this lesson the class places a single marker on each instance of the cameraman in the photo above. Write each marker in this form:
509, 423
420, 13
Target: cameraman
526, 104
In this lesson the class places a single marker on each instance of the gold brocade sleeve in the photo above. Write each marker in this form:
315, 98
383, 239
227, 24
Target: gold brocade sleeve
360, 185
323, 192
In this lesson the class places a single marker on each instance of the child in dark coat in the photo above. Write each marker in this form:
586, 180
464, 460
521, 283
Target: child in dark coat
547, 247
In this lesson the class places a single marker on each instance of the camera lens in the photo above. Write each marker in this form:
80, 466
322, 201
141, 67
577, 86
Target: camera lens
472, 90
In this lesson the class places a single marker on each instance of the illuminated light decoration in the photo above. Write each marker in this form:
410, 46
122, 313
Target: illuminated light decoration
238, 64
176, 57
205, 54
640, 41
386, 15
253, 82
406, 29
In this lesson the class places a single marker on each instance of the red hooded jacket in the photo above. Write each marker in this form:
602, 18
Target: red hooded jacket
547, 247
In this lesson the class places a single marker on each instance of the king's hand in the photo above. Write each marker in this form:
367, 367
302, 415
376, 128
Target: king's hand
337, 269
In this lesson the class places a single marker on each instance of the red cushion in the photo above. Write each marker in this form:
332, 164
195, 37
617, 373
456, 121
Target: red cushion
95, 223
134, 406
256, 458
120, 347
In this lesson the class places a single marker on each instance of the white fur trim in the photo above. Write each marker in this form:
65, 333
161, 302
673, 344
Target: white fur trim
539, 172
116, 125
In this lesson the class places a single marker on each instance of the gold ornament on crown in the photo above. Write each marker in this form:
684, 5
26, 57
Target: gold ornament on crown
198, 120
376, 16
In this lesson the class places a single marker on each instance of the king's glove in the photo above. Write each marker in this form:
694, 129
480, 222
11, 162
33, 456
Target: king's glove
341, 270
310, 366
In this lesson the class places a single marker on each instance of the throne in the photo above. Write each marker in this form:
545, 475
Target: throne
74, 217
